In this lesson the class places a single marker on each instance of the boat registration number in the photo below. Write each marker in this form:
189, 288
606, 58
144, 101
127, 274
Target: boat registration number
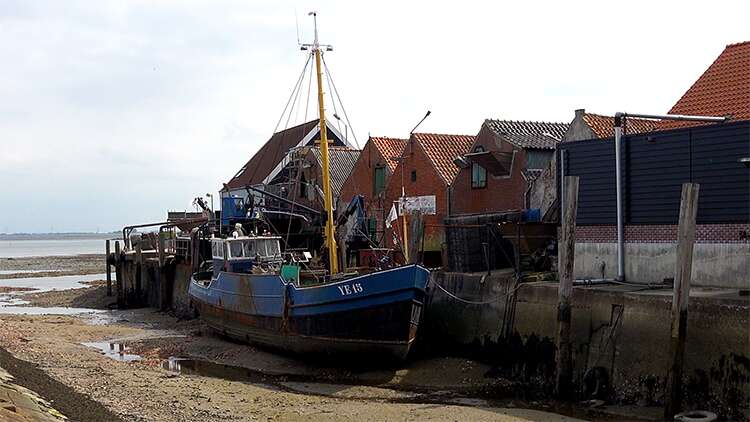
349, 289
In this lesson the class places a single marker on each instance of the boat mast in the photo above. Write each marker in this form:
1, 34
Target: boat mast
327, 196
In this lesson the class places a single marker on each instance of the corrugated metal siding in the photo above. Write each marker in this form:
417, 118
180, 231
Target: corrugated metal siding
656, 166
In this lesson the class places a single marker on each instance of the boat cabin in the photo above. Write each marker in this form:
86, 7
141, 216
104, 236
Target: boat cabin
246, 254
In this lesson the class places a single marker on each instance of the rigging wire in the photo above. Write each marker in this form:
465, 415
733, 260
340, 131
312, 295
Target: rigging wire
283, 113
333, 101
298, 88
346, 116
473, 302
309, 85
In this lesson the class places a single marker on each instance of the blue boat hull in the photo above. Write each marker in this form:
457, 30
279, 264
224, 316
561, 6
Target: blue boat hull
376, 313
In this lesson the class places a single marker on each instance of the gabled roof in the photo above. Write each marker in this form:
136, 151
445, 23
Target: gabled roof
270, 155
441, 149
722, 90
533, 135
390, 149
603, 126
341, 162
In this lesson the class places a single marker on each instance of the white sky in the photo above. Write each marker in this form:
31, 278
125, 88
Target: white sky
113, 112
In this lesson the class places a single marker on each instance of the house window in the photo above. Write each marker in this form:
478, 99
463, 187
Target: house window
379, 180
478, 173
413, 175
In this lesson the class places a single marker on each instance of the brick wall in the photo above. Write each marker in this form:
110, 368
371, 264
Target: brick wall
663, 233
428, 182
360, 182
501, 193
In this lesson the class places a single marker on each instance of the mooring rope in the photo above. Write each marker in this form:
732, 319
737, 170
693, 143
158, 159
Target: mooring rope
474, 302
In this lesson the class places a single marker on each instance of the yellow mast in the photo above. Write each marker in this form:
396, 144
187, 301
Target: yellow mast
327, 196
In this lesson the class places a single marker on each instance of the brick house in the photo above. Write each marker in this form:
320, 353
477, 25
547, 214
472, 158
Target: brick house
425, 168
505, 158
369, 178
655, 165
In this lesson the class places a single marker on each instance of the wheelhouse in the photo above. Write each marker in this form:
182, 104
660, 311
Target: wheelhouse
246, 254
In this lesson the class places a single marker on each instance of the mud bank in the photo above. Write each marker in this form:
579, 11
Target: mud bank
45, 266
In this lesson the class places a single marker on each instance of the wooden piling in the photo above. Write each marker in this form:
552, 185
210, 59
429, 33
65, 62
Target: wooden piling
415, 236
108, 263
680, 296
118, 272
566, 252
163, 285
140, 271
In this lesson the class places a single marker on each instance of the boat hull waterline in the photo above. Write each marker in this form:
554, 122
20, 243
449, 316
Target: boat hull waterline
376, 313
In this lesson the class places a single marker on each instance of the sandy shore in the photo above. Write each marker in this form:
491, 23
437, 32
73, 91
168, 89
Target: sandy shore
222, 380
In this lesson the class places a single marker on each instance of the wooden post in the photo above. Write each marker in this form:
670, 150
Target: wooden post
108, 263
681, 294
163, 290
413, 244
566, 252
118, 273
140, 271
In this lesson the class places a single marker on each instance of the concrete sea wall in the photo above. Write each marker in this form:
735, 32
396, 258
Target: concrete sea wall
622, 331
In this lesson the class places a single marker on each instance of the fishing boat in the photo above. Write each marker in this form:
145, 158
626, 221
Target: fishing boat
254, 293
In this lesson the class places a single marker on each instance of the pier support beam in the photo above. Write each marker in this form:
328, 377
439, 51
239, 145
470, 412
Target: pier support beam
118, 273
680, 296
566, 254
108, 263
163, 287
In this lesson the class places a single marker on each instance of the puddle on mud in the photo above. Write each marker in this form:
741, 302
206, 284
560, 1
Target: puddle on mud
11, 301
214, 370
116, 351
52, 310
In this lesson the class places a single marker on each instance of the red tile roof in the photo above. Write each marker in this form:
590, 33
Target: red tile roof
603, 126
390, 149
723, 89
441, 149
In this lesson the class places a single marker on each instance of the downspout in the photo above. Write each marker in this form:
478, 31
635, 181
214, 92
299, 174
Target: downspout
620, 118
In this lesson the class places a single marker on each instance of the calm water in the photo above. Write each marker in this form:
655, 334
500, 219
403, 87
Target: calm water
53, 247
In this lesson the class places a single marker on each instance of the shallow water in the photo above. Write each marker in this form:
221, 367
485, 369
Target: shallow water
46, 284
10, 302
52, 310
116, 351
51, 247
6, 272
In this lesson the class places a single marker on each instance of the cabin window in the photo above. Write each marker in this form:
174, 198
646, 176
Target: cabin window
235, 249
217, 250
249, 248
272, 248
379, 180
478, 173
413, 175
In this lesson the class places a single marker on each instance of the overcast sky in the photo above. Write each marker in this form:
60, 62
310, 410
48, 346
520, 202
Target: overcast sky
113, 112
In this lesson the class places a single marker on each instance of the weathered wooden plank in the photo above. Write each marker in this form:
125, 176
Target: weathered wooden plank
681, 294
566, 252
108, 264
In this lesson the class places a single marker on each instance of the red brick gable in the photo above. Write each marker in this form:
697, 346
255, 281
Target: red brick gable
442, 149
390, 149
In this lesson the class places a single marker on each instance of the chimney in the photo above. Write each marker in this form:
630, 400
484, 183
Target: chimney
580, 112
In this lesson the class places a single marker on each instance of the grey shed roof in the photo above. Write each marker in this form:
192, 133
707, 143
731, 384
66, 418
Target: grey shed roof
538, 135
341, 162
